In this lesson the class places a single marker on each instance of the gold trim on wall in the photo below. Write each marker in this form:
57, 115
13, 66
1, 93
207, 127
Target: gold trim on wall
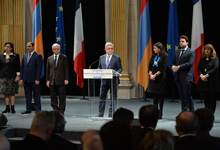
11, 25
119, 31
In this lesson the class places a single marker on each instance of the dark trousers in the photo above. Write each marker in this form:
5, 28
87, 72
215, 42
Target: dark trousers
113, 100
56, 90
209, 100
158, 98
184, 89
28, 88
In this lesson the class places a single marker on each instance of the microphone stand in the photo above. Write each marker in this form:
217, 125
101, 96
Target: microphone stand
88, 81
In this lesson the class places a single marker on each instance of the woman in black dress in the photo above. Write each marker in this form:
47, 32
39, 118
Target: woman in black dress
9, 75
208, 83
157, 71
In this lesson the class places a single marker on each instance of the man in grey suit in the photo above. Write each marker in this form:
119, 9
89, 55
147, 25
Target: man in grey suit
183, 67
57, 77
109, 61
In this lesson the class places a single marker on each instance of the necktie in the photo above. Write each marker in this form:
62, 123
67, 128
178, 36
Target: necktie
107, 62
29, 56
55, 62
182, 51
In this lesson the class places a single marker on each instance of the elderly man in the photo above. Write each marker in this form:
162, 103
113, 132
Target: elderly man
57, 77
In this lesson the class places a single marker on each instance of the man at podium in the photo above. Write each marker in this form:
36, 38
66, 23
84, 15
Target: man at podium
109, 61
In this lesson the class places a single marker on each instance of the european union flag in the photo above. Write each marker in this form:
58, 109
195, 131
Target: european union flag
60, 35
173, 32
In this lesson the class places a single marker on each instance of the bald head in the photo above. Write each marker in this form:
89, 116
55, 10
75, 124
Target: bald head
187, 122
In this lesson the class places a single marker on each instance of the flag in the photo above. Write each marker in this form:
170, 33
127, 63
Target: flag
197, 40
145, 45
37, 37
79, 52
60, 35
172, 32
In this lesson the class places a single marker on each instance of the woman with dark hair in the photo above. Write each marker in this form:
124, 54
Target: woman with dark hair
157, 71
208, 83
9, 75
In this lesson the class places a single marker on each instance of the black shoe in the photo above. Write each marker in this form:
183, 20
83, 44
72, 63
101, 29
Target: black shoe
99, 115
26, 112
37, 111
110, 115
12, 109
7, 109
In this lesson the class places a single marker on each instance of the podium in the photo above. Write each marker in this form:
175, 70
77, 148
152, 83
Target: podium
109, 75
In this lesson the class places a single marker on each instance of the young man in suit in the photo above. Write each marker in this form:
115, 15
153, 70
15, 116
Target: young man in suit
30, 74
57, 77
183, 67
109, 61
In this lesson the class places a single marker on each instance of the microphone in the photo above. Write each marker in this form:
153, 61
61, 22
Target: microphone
93, 63
117, 73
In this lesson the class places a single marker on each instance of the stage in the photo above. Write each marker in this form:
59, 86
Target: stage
78, 119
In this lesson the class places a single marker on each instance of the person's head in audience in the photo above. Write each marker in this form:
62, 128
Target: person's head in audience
125, 115
93, 142
206, 119
187, 123
87, 135
116, 135
148, 116
4, 143
42, 125
60, 122
158, 140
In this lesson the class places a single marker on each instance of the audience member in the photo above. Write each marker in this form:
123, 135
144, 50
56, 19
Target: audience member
158, 140
4, 143
91, 140
148, 118
125, 115
206, 120
116, 135
187, 124
40, 132
57, 142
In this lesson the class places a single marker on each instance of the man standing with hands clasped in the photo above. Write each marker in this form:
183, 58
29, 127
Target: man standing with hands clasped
57, 77
183, 67
30, 74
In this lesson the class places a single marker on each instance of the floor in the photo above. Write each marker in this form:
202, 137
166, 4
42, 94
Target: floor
80, 113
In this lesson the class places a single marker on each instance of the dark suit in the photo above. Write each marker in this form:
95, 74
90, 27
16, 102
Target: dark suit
29, 73
56, 76
9, 69
56, 142
115, 64
184, 77
30, 142
193, 143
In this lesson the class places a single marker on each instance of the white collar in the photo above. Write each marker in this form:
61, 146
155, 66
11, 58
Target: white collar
10, 54
190, 134
31, 53
185, 48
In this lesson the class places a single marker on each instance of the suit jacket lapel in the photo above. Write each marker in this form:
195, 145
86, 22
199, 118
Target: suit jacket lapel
31, 57
104, 62
111, 61
58, 61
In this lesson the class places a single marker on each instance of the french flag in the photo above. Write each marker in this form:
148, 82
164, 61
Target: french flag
79, 51
197, 40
